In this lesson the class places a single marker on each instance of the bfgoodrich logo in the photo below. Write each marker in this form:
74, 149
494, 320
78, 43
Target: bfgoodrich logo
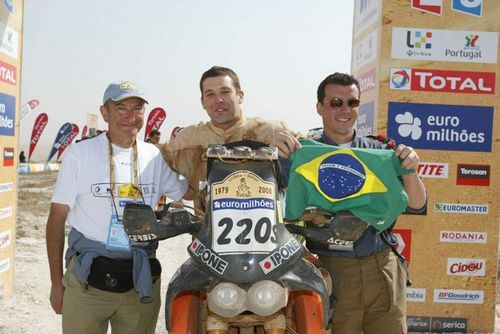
480, 209
415, 295
458, 296
466, 237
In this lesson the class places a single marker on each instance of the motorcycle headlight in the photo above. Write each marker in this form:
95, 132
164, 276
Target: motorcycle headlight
266, 298
226, 299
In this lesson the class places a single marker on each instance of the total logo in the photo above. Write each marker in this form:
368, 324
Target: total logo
469, 7
441, 126
443, 81
466, 267
458, 296
466, 237
435, 170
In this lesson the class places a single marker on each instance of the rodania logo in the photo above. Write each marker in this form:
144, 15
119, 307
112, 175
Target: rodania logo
480, 209
428, 6
469, 7
458, 296
466, 237
441, 126
466, 267
428, 80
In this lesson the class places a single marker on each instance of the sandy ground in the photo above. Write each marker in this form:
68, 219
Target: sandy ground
28, 310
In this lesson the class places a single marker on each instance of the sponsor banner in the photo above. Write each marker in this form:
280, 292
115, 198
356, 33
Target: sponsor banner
365, 51
8, 156
40, 123
367, 80
4, 265
8, 73
436, 170
469, 7
10, 41
458, 296
466, 237
7, 114
473, 175
466, 267
480, 209
63, 134
366, 12
5, 187
366, 115
444, 45
415, 295
404, 242
27, 108
462, 82
5, 212
428, 6
441, 126
448, 325
418, 324
74, 132
5, 239
155, 120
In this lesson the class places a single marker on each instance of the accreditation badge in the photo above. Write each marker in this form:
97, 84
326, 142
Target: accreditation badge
117, 238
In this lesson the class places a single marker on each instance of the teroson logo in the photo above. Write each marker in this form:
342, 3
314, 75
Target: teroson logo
403, 237
428, 6
207, 256
466, 237
444, 45
5, 238
441, 126
435, 170
443, 81
466, 267
8, 156
276, 258
418, 324
415, 295
473, 175
449, 325
458, 296
4, 187
480, 209
469, 7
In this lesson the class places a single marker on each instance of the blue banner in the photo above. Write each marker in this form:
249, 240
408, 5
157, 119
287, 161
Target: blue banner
441, 126
62, 135
7, 114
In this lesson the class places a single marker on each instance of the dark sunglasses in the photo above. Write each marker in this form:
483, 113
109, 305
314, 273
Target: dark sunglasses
337, 102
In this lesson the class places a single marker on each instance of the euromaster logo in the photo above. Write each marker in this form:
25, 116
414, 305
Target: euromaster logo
462, 82
415, 295
436, 170
444, 45
473, 175
466, 267
428, 6
458, 296
479, 209
8, 156
465, 237
441, 126
469, 7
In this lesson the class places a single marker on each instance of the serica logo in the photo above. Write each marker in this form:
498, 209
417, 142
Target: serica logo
409, 125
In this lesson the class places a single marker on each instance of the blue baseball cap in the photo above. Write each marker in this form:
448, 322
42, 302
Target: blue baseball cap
118, 91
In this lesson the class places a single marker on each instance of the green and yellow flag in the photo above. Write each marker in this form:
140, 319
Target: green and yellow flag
363, 181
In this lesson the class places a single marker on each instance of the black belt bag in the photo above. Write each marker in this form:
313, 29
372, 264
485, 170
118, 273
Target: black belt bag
115, 275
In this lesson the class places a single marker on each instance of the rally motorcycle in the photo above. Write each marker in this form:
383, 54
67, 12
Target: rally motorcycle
246, 272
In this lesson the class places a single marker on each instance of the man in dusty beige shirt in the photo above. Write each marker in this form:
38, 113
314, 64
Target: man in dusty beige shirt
221, 97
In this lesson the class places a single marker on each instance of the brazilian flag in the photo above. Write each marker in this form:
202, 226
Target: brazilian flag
361, 180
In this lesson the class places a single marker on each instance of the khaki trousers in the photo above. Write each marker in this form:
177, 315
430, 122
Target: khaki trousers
87, 310
370, 294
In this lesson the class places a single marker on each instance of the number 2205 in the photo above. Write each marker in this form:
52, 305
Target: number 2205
262, 233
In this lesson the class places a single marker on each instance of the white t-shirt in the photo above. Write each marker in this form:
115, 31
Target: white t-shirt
83, 183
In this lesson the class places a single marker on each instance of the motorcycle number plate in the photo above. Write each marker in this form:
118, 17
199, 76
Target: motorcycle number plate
243, 214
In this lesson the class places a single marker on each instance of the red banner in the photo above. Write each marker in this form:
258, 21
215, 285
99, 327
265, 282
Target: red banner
155, 120
74, 132
40, 123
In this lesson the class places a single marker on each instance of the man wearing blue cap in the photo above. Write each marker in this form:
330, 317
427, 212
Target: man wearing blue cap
109, 279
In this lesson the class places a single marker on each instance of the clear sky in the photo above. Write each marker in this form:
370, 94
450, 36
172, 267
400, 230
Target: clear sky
281, 50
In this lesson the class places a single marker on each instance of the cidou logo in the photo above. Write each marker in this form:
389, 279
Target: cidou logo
441, 126
428, 6
449, 325
466, 267
473, 175
436, 170
458, 296
466, 237
415, 295
470, 7
461, 82
481, 209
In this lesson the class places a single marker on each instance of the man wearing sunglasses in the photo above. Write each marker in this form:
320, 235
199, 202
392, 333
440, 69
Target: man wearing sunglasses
369, 282
109, 279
